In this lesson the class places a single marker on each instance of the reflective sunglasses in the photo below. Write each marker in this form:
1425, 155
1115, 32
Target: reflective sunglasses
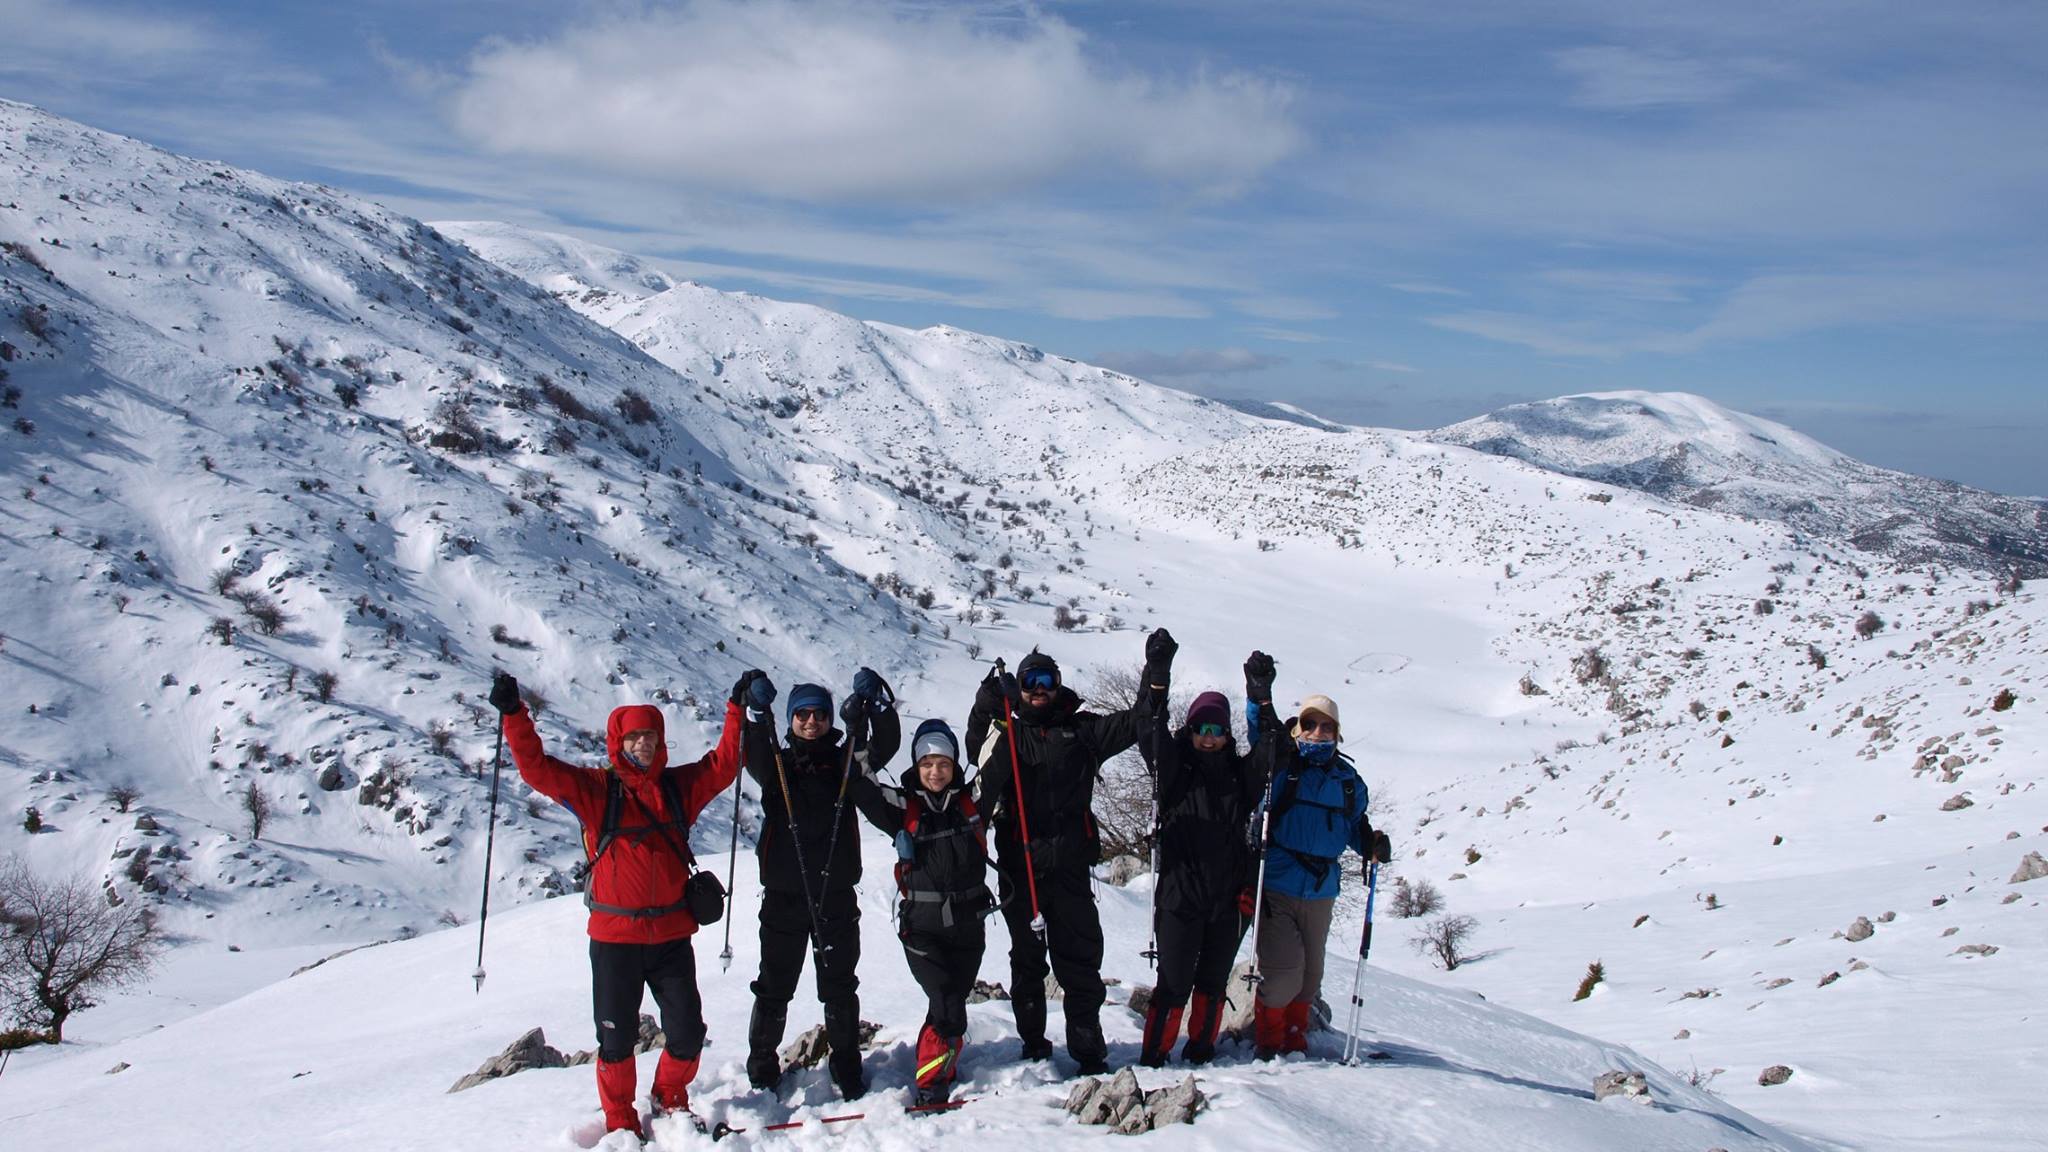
1212, 729
810, 714
1039, 680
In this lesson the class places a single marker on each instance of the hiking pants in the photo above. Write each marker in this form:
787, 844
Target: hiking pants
1293, 934
618, 975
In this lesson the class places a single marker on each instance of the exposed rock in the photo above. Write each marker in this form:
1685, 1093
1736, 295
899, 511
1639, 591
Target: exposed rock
1683, 1034
145, 823
1124, 869
1830, 978
2032, 867
121, 1067
810, 1049
1780, 982
1957, 803
1976, 950
529, 1051
1774, 1075
1124, 1106
1887, 917
983, 991
1627, 1085
1053, 991
1141, 999
1860, 931
334, 777
1857, 965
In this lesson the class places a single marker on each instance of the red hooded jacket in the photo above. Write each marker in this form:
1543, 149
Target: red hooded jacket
632, 874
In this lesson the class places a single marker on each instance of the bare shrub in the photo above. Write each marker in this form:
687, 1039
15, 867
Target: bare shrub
1415, 900
1869, 624
323, 685
222, 629
1066, 619
61, 942
124, 796
1444, 940
635, 408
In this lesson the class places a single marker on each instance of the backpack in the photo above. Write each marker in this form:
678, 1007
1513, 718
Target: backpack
703, 895
1290, 789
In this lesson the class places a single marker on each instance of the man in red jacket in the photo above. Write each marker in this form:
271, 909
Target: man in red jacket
640, 922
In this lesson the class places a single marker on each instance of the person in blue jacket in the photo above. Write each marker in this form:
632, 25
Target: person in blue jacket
1314, 809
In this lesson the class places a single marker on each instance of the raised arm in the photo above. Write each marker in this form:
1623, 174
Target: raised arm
717, 770
565, 784
1117, 731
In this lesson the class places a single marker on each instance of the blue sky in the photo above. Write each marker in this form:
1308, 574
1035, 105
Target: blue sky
1403, 214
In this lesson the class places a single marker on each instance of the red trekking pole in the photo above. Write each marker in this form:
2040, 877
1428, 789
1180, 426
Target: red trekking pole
1023, 820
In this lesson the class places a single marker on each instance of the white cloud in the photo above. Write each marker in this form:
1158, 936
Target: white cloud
849, 99
1552, 338
1285, 308
72, 35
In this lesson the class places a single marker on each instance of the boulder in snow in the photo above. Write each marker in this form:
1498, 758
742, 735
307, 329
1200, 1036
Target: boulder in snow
529, 1051
1123, 869
1774, 1075
2032, 867
1860, 931
1627, 1085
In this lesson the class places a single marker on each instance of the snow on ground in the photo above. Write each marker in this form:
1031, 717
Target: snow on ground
433, 468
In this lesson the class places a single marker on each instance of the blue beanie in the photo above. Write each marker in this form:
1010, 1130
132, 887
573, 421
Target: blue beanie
934, 736
808, 696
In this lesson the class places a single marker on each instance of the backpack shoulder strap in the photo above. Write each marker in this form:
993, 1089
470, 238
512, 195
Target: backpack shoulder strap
608, 825
677, 829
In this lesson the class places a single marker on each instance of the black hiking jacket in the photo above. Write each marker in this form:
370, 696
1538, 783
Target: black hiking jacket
1060, 752
1206, 802
815, 770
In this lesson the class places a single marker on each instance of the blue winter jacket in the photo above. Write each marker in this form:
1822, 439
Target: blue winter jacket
1317, 825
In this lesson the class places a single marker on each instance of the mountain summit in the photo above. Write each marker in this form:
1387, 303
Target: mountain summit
1689, 450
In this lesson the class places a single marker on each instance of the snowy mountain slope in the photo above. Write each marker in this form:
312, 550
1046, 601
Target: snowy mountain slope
360, 1052
1690, 450
922, 501
293, 474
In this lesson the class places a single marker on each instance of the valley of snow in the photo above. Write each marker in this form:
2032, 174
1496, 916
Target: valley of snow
272, 405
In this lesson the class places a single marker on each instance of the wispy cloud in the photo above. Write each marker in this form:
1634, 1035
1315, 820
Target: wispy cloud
1614, 76
1654, 287
826, 100
1190, 362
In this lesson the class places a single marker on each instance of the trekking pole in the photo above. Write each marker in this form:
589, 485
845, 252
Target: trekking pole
1023, 819
1253, 976
490, 837
731, 865
796, 843
1372, 887
1151, 952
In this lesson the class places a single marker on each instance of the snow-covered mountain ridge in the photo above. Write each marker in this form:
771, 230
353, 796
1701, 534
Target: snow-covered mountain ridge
1692, 451
403, 448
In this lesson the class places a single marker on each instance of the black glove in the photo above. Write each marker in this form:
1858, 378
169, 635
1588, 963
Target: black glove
853, 711
872, 690
1258, 678
505, 694
1382, 848
754, 690
988, 698
1159, 648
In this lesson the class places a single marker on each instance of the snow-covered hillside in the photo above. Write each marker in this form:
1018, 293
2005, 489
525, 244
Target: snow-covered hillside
390, 464
1690, 450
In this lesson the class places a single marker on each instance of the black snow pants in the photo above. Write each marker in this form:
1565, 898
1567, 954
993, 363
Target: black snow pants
1073, 930
1196, 955
945, 965
621, 973
785, 943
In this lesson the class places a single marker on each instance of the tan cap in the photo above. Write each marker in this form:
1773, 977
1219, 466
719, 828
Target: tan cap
1327, 707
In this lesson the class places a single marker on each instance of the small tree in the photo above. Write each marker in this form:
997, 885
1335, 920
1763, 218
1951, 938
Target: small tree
32, 820
1869, 624
256, 803
323, 685
124, 796
61, 942
1444, 939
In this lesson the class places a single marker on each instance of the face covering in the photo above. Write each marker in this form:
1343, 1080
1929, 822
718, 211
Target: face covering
1316, 751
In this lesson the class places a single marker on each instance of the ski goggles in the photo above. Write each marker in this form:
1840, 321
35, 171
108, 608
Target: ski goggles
1039, 680
1212, 730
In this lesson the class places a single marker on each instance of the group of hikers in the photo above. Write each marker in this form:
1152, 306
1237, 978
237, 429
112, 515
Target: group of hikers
1243, 835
